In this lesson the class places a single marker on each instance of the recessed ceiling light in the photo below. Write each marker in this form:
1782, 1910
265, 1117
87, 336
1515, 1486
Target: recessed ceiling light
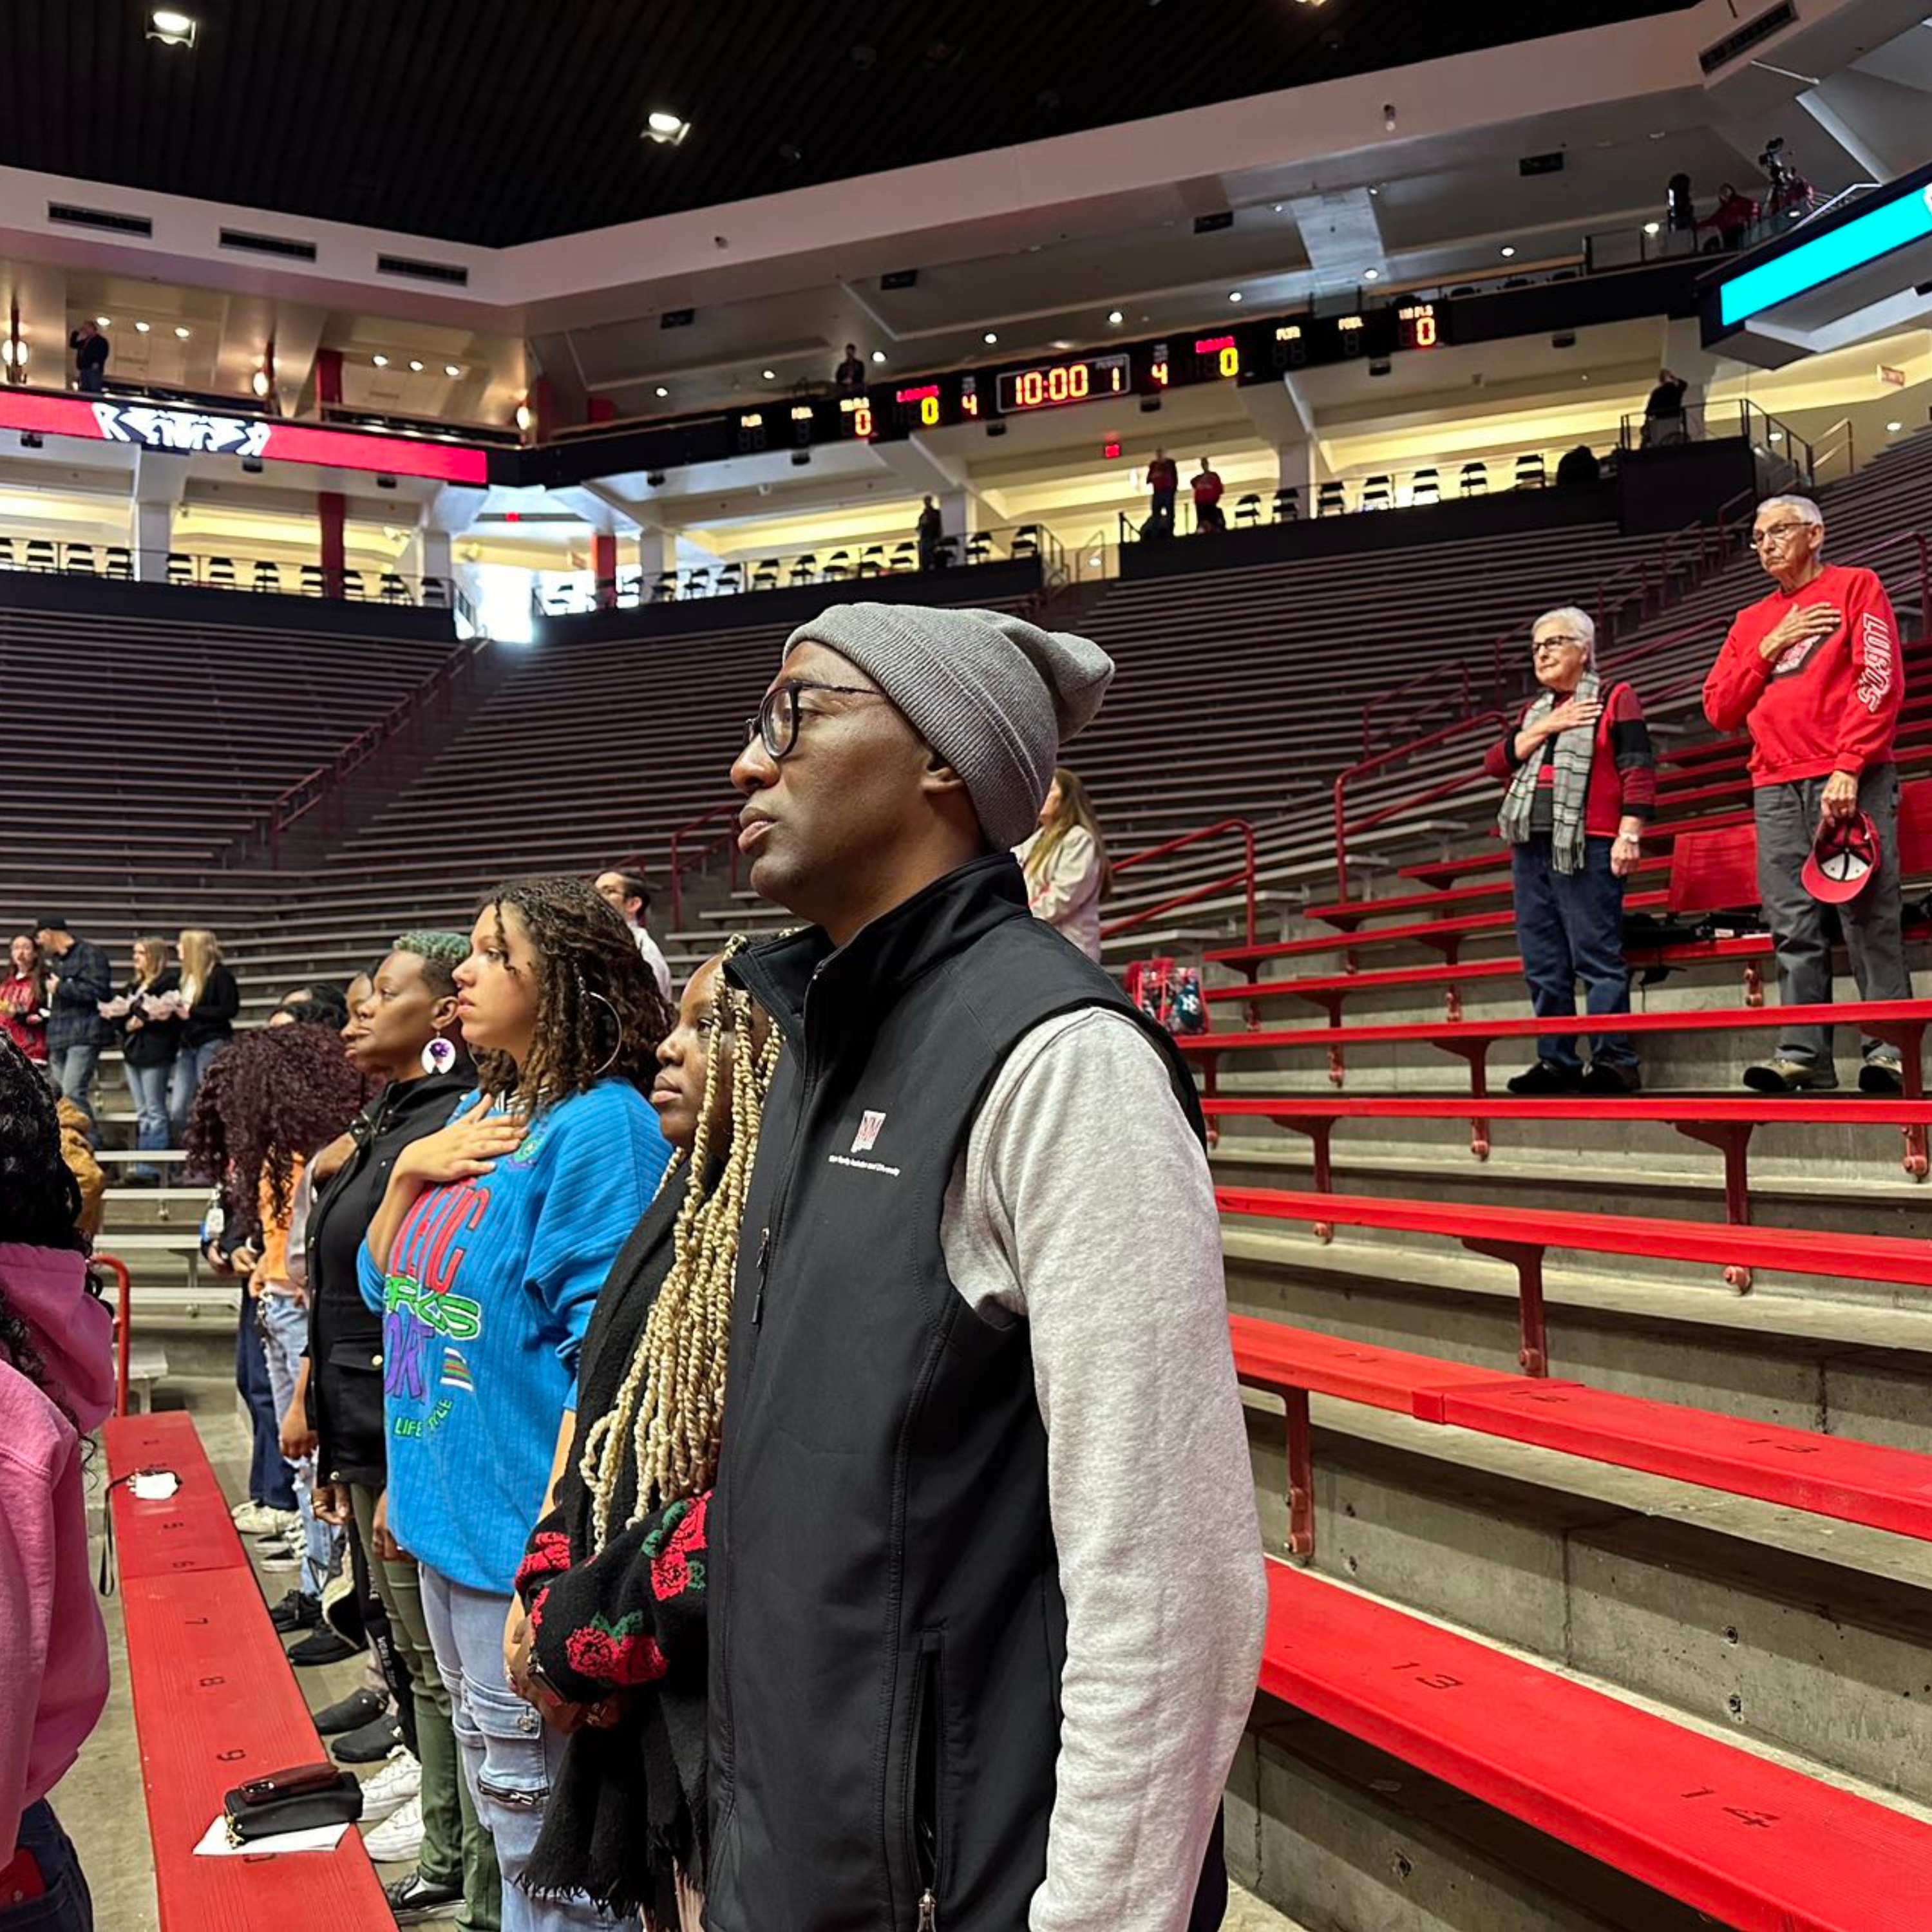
1653, 227
1278, 206
662, 391
666, 129
415, 367
103, 322
991, 336
524, 417
380, 361
1892, 429
142, 328
771, 375
1114, 315
1233, 294
1508, 251
452, 369
258, 382
171, 29
181, 334
1777, 436
1372, 275
878, 356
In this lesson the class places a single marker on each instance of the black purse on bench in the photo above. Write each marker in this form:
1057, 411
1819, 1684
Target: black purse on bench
302, 1798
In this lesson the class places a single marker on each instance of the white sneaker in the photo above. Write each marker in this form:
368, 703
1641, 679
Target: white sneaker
391, 1788
399, 1839
277, 1555
254, 1518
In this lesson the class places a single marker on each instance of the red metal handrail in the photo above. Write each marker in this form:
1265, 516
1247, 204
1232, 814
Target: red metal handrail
124, 1324
683, 862
1245, 877
1455, 729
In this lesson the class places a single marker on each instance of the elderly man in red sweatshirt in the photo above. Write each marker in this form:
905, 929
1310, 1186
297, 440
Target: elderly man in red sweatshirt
1812, 672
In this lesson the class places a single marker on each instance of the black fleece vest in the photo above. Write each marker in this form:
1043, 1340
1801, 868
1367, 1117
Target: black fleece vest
888, 1632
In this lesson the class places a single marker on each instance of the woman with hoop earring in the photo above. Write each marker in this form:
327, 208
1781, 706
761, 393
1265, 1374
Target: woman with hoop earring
484, 1259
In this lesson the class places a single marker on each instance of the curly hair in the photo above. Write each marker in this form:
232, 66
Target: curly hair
598, 1011
441, 953
39, 1199
272, 1097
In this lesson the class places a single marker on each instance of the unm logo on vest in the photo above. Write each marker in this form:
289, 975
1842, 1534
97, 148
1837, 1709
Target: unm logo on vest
867, 1138
870, 1126
190, 430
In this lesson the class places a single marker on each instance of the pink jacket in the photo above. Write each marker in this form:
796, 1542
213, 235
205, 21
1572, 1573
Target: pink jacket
53, 1662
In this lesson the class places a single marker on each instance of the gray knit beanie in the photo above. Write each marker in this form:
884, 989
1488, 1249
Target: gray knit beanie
995, 696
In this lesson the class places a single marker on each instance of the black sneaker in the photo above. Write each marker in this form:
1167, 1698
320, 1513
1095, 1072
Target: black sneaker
319, 1647
1612, 1076
1881, 1076
414, 1896
371, 1743
1546, 1078
350, 1713
295, 1612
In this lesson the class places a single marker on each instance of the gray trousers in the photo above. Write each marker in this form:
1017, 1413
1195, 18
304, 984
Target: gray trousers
1787, 824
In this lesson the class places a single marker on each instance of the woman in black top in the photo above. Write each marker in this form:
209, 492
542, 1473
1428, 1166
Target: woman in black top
213, 1001
404, 1028
151, 1033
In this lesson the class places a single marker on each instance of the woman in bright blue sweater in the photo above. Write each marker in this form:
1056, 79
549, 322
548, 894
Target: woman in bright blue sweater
484, 1258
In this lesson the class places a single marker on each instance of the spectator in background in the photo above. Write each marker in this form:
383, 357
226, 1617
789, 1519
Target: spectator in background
91, 349
56, 1386
1732, 219
1207, 500
1663, 421
79, 978
849, 378
23, 999
151, 1031
1578, 469
212, 999
929, 530
318, 1003
1813, 672
1582, 784
1163, 480
630, 894
1065, 861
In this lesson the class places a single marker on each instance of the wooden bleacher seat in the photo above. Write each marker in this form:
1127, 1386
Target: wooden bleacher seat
215, 1702
1747, 1841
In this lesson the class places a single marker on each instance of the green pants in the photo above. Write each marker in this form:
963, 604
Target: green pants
454, 1844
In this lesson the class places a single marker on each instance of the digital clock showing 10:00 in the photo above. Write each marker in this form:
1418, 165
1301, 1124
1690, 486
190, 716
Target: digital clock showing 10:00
1052, 385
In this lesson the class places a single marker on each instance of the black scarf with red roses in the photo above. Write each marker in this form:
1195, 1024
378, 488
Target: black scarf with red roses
626, 1816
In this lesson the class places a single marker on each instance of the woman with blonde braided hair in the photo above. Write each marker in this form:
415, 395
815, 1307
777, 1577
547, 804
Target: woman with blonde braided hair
612, 1650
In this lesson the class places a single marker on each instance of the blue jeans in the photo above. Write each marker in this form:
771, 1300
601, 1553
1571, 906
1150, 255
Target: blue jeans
285, 1335
71, 1069
66, 1905
185, 1079
148, 1088
1571, 927
510, 1755
269, 1481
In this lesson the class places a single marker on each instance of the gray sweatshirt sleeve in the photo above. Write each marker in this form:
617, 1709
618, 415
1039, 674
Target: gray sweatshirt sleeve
1082, 1205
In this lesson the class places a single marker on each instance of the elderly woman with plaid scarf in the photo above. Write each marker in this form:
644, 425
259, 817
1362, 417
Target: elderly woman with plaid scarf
1581, 783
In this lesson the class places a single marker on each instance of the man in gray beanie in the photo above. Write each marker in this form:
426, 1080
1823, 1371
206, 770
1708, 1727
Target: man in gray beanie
985, 1571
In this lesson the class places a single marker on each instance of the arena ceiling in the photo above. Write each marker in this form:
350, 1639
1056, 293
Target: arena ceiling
494, 122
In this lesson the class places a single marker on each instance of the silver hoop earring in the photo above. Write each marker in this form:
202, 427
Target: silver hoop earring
619, 1048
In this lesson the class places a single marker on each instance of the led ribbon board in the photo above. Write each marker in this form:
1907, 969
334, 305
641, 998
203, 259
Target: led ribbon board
202, 432
1811, 264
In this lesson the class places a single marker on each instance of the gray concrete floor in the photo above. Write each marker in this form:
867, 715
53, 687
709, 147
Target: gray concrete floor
100, 1801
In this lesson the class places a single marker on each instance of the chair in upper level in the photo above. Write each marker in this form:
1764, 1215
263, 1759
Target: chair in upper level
41, 554
1377, 493
1332, 499
765, 574
664, 587
978, 547
1425, 487
394, 590
1475, 479
78, 560
838, 566
872, 560
120, 563
731, 580
267, 576
1026, 541
220, 573
180, 569
804, 569
1288, 504
1530, 473
314, 580
1248, 511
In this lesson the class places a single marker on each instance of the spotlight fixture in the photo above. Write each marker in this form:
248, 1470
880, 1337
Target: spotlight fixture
801, 459
878, 356
452, 370
667, 129
1233, 294
1777, 436
996, 429
524, 417
103, 322
1653, 228
258, 382
1114, 315
142, 327
991, 337
1372, 275
181, 334
770, 375
415, 367
1509, 251
380, 361
1892, 429
171, 29
655, 478
661, 392
253, 465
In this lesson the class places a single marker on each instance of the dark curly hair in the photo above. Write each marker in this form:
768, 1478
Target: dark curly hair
599, 1012
39, 1199
271, 1097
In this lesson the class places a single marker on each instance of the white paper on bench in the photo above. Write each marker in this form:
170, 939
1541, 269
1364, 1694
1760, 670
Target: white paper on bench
214, 1842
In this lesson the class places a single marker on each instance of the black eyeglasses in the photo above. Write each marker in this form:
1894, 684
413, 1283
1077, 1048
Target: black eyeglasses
776, 724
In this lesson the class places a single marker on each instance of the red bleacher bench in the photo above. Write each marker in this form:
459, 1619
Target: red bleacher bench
1756, 1846
215, 1702
1799, 1468
1521, 1236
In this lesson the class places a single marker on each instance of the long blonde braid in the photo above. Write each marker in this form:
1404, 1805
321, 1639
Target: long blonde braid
668, 1413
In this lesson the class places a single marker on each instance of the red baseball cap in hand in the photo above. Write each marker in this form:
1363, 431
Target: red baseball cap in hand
1844, 857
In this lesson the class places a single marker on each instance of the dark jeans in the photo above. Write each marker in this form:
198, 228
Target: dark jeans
66, 1905
1787, 824
91, 378
1571, 927
271, 1482
1162, 506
